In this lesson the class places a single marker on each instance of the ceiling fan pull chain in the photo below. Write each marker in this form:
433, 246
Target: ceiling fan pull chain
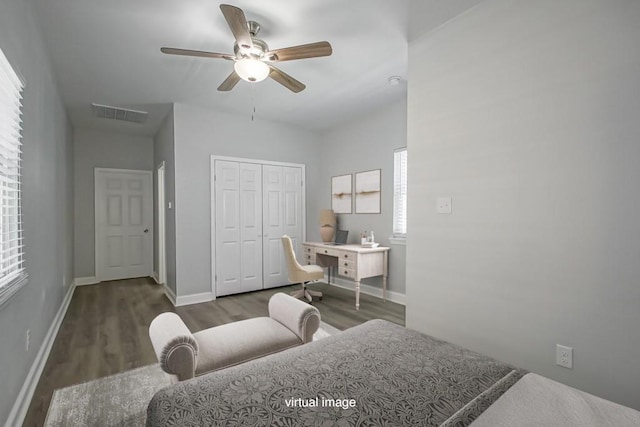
253, 102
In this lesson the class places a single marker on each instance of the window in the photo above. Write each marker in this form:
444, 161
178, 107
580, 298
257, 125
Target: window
12, 273
400, 193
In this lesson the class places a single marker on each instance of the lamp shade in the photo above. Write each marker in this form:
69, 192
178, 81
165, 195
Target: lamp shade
327, 217
251, 70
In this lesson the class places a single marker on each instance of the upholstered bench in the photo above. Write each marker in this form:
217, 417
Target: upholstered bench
185, 355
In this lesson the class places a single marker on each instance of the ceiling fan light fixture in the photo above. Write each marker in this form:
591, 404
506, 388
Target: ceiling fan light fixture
251, 70
250, 53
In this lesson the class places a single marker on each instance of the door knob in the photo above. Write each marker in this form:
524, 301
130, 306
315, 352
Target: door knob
146, 230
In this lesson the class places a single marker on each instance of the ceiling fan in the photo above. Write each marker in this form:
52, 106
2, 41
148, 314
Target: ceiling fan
251, 55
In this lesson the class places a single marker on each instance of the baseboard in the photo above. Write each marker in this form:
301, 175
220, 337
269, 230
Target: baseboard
155, 276
194, 299
170, 294
81, 281
21, 405
392, 296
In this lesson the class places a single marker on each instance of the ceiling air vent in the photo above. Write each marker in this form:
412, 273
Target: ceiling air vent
116, 113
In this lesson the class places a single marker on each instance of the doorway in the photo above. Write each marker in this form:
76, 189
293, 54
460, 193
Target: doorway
123, 220
162, 251
253, 203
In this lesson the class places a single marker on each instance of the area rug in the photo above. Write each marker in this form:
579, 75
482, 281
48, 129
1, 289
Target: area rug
118, 400
324, 331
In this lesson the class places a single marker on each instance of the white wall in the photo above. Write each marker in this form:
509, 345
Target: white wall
100, 149
47, 197
526, 113
361, 145
200, 133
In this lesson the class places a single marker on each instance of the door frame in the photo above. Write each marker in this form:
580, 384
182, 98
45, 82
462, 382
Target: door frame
162, 224
96, 201
213, 203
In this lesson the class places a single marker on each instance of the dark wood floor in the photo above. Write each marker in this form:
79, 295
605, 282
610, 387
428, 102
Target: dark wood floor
105, 330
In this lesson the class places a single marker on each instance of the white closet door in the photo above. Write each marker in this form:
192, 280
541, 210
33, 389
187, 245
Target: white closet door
282, 214
293, 205
238, 227
251, 226
275, 273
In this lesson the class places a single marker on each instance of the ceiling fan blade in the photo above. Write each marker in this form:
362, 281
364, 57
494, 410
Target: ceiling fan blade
198, 53
311, 50
229, 82
286, 80
238, 25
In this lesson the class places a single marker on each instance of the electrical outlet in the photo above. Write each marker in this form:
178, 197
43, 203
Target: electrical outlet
443, 205
564, 356
27, 340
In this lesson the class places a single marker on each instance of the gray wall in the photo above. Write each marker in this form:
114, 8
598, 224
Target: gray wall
98, 149
362, 145
526, 113
163, 151
200, 133
47, 208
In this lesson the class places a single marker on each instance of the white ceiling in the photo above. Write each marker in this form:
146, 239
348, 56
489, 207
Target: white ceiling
108, 52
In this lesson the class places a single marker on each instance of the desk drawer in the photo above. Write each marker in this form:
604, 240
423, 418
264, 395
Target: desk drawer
344, 255
345, 263
309, 258
346, 272
308, 249
327, 251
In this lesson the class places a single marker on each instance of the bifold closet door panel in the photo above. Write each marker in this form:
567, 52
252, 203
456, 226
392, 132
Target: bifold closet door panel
238, 222
282, 214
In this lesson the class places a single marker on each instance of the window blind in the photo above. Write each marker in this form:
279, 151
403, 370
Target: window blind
400, 192
12, 274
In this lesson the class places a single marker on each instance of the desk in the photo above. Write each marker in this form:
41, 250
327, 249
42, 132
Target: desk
351, 261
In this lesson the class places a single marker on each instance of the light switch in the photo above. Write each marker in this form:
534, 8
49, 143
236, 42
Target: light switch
444, 205
170, 205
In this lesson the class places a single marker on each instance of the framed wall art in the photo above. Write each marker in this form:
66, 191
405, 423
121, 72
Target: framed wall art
368, 192
341, 194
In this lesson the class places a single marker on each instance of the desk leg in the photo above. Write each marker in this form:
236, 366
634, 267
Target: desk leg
385, 269
358, 295
384, 288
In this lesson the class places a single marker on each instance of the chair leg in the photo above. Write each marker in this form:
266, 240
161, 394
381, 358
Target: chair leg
298, 294
315, 293
307, 295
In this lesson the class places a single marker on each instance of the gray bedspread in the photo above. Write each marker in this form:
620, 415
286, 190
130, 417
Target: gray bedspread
538, 401
375, 374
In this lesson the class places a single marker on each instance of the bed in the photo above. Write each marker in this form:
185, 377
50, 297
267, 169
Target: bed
377, 373
538, 401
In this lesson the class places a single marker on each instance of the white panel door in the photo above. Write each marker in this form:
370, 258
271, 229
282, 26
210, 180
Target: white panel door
292, 210
275, 273
124, 218
238, 225
251, 226
282, 214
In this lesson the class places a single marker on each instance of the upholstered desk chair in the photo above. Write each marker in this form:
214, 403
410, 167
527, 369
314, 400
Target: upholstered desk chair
301, 273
